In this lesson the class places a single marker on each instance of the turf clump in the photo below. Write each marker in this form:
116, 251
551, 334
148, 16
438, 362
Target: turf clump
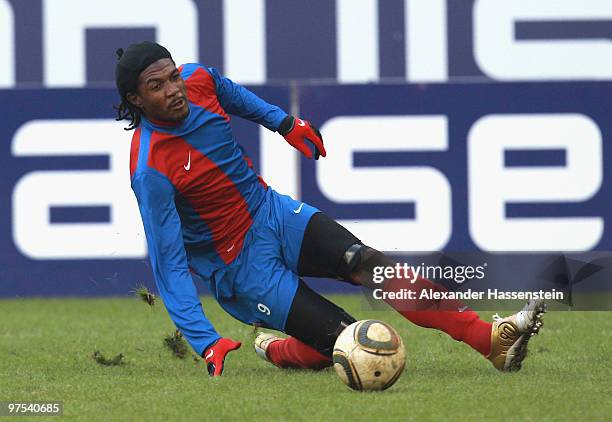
177, 344
144, 294
102, 360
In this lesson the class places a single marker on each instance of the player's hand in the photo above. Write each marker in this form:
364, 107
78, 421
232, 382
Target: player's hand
303, 136
215, 355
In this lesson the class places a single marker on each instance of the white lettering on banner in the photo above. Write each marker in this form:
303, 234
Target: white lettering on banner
65, 22
502, 57
427, 187
492, 186
244, 36
426, 40
279, 163
7, 45
36, 192
357, 40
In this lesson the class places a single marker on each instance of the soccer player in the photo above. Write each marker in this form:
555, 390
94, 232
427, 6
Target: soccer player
206, 212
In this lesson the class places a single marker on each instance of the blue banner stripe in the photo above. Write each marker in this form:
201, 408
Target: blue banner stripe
75, 214
535, 158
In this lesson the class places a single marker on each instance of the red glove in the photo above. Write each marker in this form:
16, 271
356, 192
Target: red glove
215, 355
303, 136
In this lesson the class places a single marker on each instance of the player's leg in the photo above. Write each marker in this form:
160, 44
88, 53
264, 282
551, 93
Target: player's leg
330, 250
313, 323
504, 342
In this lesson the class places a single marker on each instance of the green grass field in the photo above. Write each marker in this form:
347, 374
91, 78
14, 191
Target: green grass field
46, 347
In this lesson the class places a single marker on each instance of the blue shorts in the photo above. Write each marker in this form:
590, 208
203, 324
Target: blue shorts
258, 287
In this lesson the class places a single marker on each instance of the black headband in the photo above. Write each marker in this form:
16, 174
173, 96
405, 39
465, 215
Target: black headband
136, 58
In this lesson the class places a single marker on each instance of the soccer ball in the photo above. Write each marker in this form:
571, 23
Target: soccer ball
369, 355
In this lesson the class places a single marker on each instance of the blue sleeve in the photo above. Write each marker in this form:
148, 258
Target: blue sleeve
162, 225
236, 99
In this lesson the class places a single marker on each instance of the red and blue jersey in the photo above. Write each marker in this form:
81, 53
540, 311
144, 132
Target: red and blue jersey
197, 191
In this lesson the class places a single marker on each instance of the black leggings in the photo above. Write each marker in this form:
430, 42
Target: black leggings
323, 247
313, 319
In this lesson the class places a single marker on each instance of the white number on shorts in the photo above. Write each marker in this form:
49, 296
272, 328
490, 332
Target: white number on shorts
263, 308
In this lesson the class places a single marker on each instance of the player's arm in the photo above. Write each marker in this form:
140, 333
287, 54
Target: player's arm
162, 225
236, 99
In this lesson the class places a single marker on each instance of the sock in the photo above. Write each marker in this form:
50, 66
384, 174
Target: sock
443, 315
462, 326
292, 353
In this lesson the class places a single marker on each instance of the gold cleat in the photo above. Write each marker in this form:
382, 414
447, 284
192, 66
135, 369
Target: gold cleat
510, 335
261, 343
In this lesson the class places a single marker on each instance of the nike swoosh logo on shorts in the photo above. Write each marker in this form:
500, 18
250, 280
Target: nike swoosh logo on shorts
299, 208
210, 355
300, 122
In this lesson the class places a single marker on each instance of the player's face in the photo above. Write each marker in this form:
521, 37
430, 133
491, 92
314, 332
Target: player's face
161, 95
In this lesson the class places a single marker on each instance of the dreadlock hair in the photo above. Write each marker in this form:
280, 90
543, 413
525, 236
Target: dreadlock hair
126, 110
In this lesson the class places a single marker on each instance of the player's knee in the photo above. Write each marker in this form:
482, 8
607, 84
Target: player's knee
358, 264
351, 260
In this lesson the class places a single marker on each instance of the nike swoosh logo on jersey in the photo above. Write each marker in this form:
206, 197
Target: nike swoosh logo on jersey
299, 208
300, 122
209, 355
188, 166
230, 248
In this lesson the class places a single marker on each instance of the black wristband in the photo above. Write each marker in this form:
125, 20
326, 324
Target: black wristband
286, 125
